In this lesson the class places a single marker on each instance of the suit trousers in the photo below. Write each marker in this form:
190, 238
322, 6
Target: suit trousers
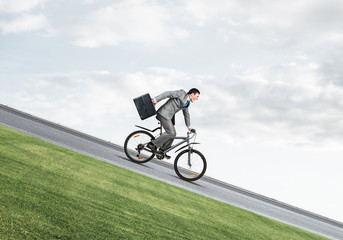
166, 139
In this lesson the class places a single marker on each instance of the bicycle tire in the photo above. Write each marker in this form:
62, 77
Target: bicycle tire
132, 143
190, 174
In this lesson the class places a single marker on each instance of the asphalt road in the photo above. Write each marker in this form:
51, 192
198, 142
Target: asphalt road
164, 171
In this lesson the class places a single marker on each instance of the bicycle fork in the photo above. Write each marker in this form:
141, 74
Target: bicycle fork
189, 152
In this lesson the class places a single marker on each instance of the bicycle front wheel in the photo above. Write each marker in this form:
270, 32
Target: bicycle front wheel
135, 146
190, 165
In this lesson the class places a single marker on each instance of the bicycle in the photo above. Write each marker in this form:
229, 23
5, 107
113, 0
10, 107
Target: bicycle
189, 164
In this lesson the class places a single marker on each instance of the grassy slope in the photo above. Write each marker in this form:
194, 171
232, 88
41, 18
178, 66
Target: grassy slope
48, 192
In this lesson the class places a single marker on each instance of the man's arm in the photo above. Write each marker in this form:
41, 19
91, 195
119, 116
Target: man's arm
168, 94
187, 118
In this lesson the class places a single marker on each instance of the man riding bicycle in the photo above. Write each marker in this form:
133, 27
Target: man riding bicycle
178, 100
141, 146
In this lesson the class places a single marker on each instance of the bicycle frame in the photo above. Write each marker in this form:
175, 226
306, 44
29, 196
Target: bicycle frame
184, 139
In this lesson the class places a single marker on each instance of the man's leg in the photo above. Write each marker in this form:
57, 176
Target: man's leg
167, 144
166, 139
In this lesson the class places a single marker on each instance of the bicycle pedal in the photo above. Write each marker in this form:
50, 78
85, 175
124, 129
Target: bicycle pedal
159, 155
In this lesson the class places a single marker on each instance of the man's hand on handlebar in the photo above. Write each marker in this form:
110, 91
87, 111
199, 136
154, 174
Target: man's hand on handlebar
192, 130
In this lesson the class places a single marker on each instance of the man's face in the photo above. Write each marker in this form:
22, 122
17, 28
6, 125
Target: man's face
193, 97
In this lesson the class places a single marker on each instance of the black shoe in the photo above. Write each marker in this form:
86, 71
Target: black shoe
159, 155
165, 154
152, 147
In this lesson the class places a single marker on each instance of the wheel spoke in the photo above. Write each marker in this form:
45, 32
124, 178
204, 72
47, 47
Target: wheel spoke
134, 146
190, 169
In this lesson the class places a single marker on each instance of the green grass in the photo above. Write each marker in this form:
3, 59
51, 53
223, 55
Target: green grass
48, 192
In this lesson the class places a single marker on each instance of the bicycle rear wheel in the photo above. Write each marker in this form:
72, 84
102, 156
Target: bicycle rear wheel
190, 165
135, 146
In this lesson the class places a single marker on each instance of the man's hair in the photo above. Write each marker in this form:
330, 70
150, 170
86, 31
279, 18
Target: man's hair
193, 90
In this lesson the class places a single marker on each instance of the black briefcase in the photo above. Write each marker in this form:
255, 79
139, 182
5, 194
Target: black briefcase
144, 106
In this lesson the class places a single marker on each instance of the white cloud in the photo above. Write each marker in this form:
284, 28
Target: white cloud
204, 11
289, 101
24, 23
271, 24
130, 21
290, 25
19, 6
88, 97
21, 16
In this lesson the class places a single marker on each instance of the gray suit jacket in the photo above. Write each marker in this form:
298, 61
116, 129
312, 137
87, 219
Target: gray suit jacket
176, 100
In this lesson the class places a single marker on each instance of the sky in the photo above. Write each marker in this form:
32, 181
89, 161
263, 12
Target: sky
269, 117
